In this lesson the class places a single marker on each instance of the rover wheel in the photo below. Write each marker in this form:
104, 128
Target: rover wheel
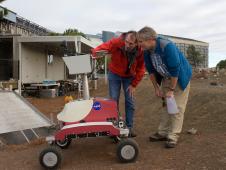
50, 158
116, 139
127, 150
64, 144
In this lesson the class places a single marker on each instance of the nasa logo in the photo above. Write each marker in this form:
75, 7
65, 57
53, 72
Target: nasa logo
97, 106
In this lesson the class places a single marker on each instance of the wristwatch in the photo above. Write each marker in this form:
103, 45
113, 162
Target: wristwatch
171, 89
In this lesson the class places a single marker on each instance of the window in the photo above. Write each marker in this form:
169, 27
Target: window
50, 59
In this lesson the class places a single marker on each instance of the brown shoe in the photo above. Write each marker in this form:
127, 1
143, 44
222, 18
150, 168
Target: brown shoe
132, 134
157, 137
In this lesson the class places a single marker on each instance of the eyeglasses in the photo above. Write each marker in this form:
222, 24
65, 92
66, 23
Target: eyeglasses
140, 41
143, 40
130, 43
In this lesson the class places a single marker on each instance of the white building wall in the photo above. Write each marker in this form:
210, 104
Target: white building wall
56, 70
35, 68
33, 64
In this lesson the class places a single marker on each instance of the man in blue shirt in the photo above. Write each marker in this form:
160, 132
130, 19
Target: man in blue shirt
170, 74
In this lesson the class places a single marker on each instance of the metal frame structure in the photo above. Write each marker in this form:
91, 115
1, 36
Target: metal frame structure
79, 42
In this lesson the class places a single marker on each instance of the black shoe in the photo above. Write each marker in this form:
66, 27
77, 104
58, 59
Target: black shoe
170, 144
132, 134
157, 137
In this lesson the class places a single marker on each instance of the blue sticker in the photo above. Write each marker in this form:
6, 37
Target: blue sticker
96, 106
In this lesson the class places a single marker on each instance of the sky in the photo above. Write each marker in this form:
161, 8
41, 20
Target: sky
203, 20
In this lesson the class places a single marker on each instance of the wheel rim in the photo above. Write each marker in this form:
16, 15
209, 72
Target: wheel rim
118, 138
50, 159
63, 143
128, 152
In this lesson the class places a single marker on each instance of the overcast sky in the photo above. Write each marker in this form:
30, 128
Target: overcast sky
204, 20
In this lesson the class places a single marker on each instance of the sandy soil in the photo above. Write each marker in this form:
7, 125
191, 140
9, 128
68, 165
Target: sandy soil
206, 112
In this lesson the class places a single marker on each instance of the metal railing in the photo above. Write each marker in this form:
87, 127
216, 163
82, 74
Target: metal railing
22, 26
31, 26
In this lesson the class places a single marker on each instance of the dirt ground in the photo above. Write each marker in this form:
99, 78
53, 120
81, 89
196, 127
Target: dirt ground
206, 112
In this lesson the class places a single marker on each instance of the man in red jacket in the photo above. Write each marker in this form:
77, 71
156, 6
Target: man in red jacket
126, 69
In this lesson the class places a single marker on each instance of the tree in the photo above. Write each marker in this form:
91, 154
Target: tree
221, 64
71, 31
54, 34
1, 1
3, 12
194, 55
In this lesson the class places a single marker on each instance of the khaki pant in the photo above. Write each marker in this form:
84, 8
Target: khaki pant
171, 124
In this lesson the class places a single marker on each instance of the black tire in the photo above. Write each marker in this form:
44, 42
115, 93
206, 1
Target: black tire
50, 158
127, 150
25, 94
64, 144
116, 139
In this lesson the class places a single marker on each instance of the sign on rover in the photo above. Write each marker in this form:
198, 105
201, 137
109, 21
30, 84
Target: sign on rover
96, 106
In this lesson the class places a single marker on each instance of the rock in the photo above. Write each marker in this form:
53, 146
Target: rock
205, 74
222, 71
2, 144
201, 73
192, 131
213, 83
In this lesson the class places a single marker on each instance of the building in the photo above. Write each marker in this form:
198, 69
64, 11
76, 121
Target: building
11, 27
182, 43
11, 23
28, 55
107, 35
95, 39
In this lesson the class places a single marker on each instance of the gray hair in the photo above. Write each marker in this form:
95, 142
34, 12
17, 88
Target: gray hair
147, 33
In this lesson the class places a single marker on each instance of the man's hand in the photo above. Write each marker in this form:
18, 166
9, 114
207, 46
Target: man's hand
131, 90
170, 94
101, 53
98, 54
158, 92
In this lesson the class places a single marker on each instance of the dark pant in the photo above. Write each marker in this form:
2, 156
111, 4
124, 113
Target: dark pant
115, 82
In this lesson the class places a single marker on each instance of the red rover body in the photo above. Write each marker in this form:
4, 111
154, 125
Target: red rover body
89, 118
102, 120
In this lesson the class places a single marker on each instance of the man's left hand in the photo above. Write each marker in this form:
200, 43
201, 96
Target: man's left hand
131, 90
170, 94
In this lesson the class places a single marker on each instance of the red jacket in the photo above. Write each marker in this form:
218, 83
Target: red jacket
119, 61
